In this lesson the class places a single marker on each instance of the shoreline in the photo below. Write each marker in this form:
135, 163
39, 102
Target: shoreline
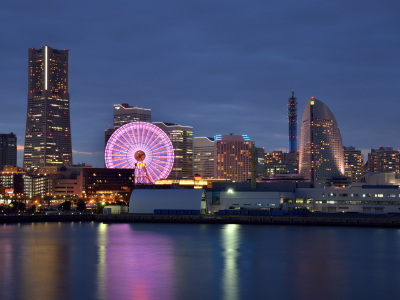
359, 221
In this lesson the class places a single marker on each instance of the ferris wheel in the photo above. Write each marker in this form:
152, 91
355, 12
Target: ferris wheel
141, 146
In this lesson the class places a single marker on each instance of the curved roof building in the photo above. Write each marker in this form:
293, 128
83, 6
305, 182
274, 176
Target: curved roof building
321, 147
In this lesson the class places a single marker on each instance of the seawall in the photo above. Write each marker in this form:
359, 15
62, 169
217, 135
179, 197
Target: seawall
361, 221
268, 220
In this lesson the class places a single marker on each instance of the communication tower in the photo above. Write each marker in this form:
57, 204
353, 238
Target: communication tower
292, 114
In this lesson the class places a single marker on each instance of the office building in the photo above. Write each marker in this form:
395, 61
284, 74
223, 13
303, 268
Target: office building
353, 163
182, 141
274, 157
292, 115
123, 114
203, 157
384, 160
232, 157
8, 150
48, 128
321, 147
260, 161
278, 168
292, 159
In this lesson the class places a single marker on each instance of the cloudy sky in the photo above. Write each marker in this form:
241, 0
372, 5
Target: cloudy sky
219, 66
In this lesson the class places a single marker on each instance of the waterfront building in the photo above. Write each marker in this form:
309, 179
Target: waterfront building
203, 157
232, 157
124, 114
48, 128
353, 163
8, 150
384, 160
272, 196
102, 181
182, 140
321, 148
292, 115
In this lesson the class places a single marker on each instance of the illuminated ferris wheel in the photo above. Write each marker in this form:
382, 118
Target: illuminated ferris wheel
141, 146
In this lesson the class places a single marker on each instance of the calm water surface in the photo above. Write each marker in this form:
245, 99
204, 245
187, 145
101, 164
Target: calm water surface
192, 261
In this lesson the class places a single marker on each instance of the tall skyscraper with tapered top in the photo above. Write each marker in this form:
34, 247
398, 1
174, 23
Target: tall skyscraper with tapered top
321, 148
292, 114
48, 126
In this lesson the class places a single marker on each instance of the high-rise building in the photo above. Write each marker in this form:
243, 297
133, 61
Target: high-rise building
203, 157
353, 163
321, 147
384, 160
48, 128
232, 157
124, 114
292, 114
8, 150
182, 140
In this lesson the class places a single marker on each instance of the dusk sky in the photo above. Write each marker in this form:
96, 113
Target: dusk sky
219, 66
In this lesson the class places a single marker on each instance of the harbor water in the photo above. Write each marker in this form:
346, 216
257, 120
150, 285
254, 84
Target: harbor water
89, 260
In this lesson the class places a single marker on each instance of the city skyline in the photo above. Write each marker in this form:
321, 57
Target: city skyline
228, 74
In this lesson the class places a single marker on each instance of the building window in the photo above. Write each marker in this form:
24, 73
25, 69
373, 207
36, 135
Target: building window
299, 200
366, 195
331, 195
391, 195
378, 195
355, 195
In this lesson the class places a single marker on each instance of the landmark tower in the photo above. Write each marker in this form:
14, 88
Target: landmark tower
48, 126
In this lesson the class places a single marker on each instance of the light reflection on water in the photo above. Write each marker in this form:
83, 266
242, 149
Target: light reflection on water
194, 261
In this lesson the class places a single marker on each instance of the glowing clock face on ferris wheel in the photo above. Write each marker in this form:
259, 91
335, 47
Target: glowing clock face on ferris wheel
141, 146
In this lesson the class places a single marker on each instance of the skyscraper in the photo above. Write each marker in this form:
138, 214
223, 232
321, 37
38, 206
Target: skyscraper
48, 128
321, 147
232, 157
8, 150
292, 114
182, 140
